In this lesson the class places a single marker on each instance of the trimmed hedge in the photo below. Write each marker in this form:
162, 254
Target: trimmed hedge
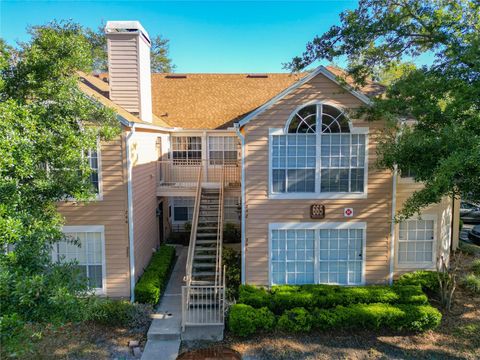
428, 280
286, 297
245, 320
153, 281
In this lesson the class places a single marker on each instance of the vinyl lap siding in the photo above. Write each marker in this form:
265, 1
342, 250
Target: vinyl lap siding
375, 210
123, 71
110, 212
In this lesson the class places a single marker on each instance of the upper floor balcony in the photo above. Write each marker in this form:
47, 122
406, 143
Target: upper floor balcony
179, 177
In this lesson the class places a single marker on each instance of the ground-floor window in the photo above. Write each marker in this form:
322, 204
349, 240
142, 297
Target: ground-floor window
231, 210
86, 247
183, 209
328, 253
416, 239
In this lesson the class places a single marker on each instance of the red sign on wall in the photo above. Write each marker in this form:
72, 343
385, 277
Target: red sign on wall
348, 212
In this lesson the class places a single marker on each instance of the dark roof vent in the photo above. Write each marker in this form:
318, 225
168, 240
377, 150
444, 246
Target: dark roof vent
257, 76
174, 76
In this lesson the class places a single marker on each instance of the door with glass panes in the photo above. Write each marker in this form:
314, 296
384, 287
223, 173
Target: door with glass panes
321, 255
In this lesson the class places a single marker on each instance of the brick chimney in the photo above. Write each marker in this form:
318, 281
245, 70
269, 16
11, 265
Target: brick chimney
129, 67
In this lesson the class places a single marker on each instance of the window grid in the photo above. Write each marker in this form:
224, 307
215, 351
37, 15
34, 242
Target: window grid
340, 164
187, 149
294, 162
415, 241
340, 256
330, 256
293, 256
222, 150
89, 255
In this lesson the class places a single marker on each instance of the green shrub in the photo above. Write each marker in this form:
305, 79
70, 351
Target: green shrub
119, 313
428, 280
242, 320
472, 282
475, 266
231, 233
152, 283
285, 297
14, 336
232, 261
376, 316
295, 320
470, 249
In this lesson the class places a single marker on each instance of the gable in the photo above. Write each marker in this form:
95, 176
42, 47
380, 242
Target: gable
326, 88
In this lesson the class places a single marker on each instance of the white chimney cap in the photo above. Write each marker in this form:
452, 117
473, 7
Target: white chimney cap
126, 27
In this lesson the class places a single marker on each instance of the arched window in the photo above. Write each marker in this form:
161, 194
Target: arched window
318, 153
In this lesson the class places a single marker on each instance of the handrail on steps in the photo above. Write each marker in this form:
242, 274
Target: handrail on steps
218, 266
193, 230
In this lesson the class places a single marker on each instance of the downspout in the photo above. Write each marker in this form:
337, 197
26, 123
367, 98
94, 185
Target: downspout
242, 190
130, 215
392, 226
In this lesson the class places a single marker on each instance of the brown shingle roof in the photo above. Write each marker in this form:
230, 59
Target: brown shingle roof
213, 101
216, 101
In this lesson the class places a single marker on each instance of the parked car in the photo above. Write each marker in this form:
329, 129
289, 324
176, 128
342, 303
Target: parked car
474, 234
469, 212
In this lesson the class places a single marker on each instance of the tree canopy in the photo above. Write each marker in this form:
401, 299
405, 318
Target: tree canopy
159, 51
46, 127
442, 147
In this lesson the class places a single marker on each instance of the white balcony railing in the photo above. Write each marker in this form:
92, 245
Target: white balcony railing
184, 173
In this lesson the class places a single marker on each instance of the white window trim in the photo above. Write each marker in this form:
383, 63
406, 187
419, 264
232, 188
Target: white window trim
172, 204
360, 225
418, 265
220, 135
101, 230
317, 194
99, 196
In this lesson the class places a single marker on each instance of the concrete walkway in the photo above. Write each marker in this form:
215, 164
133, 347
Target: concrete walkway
163, 337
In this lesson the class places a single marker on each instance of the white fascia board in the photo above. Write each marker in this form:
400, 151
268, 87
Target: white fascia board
130, 124
319, 70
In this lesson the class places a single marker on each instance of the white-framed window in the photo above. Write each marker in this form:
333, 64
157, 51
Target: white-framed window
318, 153
186, 149
416, 241
231, 209
317, 253
93, 161
86, 246
222, 150
183, 209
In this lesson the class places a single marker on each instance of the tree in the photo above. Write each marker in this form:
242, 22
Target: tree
442, 147
159, 52
46, 126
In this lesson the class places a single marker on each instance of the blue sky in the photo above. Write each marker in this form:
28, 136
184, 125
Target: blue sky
216, 36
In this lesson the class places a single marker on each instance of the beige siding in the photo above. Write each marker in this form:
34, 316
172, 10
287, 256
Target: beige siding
123, 70
375, 210
111, 212
443, 214
144, 185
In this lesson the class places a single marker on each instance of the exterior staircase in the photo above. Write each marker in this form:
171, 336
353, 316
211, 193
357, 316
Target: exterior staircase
203, 295
205, 256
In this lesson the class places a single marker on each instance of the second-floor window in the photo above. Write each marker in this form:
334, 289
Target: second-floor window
187, 149
222, 150
317, 153
94, 175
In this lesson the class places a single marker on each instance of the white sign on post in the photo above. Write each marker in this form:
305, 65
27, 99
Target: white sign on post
348, 212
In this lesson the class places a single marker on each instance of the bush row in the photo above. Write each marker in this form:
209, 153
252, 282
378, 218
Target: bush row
244, 320
428, 280
153, 281
286, 297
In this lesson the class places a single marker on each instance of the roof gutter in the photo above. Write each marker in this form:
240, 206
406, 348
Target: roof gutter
132, 124
243, 200
131, 253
